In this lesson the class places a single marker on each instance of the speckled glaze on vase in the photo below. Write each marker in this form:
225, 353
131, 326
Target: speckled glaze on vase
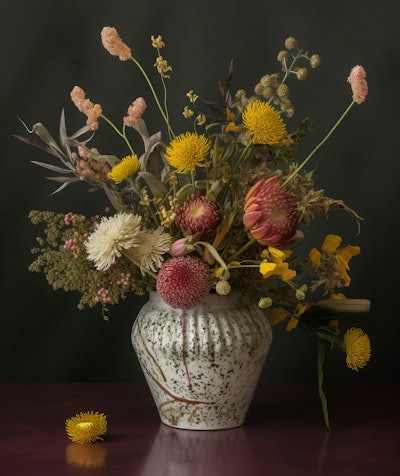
202, 365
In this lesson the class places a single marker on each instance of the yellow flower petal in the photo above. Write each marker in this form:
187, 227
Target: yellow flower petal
277, 315
315, 257
277, 256
267, 267
331, 243
348, 252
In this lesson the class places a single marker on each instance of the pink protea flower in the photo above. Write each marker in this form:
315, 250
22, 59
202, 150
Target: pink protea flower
358, 84
183, 282
113, 43
270, 214
198, 216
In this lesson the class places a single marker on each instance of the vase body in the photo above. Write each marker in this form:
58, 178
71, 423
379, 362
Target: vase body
202, 365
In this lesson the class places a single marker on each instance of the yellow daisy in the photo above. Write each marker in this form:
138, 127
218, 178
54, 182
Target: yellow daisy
263, 123
358, 348
188, 151
128, 166
86, 427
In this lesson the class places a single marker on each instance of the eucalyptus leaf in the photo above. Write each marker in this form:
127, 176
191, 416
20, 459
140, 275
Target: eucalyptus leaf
64, 179
46, 137
64, 141
30, 141
156, 186
54, 168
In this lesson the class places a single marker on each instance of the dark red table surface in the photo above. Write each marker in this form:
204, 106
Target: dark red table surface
284, 434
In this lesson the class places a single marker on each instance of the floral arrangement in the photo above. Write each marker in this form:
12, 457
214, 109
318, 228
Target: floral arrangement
216, 208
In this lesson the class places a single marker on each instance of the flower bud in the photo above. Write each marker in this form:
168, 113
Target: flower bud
290, 43
223, 287
302, 74
315, 61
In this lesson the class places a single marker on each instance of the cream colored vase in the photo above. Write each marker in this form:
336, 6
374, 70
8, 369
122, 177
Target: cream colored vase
202, 365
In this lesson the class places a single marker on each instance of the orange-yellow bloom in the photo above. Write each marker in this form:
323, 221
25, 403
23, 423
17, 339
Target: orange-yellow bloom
263, 123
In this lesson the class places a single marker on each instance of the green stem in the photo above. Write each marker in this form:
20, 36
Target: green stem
164, 115
312, 153
241, 250
121, 134
324, 403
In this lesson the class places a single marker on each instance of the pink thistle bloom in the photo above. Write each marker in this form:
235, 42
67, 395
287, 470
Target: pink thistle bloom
271, 214
113, 43
135, 112
358, 84
183, 282
92, 111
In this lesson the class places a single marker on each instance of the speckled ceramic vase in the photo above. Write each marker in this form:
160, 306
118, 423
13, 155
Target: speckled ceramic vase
202, 365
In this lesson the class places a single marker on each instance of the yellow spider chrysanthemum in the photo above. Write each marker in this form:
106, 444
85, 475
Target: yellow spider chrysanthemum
128, 166
188, 151
86, 427
263, 123
358, 348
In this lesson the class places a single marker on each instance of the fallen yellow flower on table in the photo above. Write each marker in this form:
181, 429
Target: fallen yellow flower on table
86, 427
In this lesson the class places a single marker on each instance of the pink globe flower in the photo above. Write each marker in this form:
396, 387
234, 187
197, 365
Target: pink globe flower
183, 282
198, 216
270, 214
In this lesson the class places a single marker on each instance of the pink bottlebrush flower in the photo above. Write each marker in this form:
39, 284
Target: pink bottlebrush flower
113, 43
198, 216
183, 282
135, 112
358, 84
271, 214
92, 111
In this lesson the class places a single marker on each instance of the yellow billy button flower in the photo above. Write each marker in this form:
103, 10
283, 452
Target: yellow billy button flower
128, 166
358, 348
86, 427
263, 123
188, 151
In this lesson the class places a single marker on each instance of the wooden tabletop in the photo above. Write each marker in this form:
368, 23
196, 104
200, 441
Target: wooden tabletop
284, 433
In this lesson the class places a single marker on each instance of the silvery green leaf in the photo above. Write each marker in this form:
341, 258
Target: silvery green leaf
79, 133
156, 186
155, 163
142, 131
64, 141
46, 137
64, 179
32, 142
59, 188
54, 168
155, 138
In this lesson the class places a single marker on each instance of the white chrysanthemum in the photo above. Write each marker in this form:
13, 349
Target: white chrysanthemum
113, 234
152, 245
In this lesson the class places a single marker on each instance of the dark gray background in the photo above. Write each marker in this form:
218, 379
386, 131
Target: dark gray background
48, 47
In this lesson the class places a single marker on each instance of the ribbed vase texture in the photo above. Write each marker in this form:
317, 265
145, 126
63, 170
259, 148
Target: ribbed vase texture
202, 365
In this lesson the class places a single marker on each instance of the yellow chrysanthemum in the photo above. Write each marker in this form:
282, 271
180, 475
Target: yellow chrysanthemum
263, 123
188, 151
358, 348
128, 166
86, 427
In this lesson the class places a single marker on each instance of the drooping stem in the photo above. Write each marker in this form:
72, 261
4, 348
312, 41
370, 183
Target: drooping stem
312, 153
121, 134
163, 113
